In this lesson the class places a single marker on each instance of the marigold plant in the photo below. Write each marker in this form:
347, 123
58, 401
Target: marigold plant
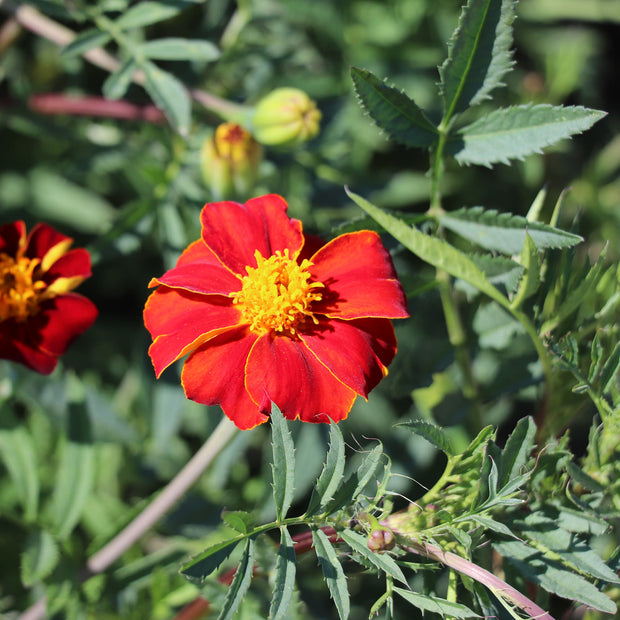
40, 316
270, 314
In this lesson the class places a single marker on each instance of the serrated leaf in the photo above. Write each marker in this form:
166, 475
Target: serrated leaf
531, 278
240, 583
146, 13
393, 111
367, 469
174, 48
74, 484
568, 548
382, 561
596, 356
85, 41
330, 477
517, 131
436, 605
332, 572
504, 232
552, 576
19, 456
283, 467
169, 95
517, 450
201, 566
284, 581
238, 520
432, 433
430, 249
479, 54
39, 558
117, 83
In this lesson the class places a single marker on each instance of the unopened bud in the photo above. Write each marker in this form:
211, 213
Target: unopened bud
230, 161
381, 539
286, 116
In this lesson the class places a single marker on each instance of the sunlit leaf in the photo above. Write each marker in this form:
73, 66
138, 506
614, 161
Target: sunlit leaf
118, 82
436, 605
85, 41
504, 232
173, 48
150, 12
202, 565
283, 467
432, 433
518, 131
531, 279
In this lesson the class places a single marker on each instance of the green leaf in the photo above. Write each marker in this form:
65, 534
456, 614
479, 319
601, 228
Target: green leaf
504, 232
169, 95
283, 467
552, 576
432, 433
39, 557
517, 450
332, 571
610, 369
240, 583
173, 48
367, 469
436, 605
576, 296
238, 520
491, 524
596, 357
18, 453
517, 131
479, 54
147, 13
393, 111
85, 41
531, 279
330, 478
432, 250
382, 561
202, 565
284, 581
500, 271
74, 484
117, 83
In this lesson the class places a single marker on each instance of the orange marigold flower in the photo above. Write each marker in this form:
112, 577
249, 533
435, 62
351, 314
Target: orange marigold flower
269, 313
39, 315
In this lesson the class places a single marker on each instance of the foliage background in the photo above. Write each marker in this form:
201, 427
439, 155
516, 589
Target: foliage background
131, 191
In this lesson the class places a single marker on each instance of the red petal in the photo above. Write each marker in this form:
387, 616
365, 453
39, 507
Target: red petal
286, 372
235, 231
43, 238
14, 346
179, 321
61, 320
359, 278
357, 352
71, 264
12, 236
215, 374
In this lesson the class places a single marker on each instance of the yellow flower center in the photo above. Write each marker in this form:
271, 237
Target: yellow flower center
277, 295
19, 288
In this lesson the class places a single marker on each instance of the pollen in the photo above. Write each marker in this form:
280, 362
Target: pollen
20, 289
277, 295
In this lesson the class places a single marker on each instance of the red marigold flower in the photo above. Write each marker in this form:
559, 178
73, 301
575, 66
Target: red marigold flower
269, 313
39, 315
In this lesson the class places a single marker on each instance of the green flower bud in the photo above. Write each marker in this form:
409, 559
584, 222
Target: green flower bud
230, 161
286, 116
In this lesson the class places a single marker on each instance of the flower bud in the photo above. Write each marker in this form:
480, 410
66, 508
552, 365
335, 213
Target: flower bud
381, 539
230, 161
286, 116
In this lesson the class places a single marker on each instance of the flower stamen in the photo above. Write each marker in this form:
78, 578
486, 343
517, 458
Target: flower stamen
20, 290
277, 294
